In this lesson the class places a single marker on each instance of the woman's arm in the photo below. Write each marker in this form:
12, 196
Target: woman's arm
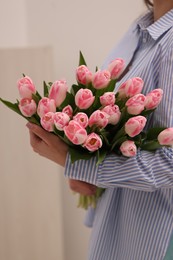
146, 171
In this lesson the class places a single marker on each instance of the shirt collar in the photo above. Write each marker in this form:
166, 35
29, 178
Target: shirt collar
156, 29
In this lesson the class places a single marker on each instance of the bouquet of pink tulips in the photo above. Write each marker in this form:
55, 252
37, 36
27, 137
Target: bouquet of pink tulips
91, 118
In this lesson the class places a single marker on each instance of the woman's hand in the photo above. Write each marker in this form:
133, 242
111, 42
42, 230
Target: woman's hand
81, 187
53, 148
47, 144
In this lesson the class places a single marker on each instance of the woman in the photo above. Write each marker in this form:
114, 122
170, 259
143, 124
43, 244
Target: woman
134, 217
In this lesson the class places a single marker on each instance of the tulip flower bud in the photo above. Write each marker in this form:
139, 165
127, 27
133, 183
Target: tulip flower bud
83, 75
166, 137
116, 68
128, 148
46, 105
84, 98
26, 87
101, 79
93, 142
135, 125
131, 87
75, 132
47, 121
153, 98
58, 92
27, 107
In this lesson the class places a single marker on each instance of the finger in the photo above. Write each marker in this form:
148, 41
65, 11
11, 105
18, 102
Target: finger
35, 141
82, 187
39, 132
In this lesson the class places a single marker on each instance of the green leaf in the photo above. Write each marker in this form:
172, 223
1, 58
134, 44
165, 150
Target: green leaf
12, 106
69, 100
151, 146
38, 95
147, 112
46, 89
101, 154
154, 132
111, 86
118, 142
81, 59
119, 134
79, 154
74, 89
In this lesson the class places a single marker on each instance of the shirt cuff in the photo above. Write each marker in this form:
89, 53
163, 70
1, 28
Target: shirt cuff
82, 170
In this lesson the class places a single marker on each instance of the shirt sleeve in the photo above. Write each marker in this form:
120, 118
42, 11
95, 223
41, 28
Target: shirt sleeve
146, 171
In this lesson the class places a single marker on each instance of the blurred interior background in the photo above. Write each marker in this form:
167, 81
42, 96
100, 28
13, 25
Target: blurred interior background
39, 219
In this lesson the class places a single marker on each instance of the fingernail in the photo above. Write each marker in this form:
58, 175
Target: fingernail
29, 125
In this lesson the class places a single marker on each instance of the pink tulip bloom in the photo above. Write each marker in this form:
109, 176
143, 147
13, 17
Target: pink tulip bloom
153, 98
98, 118
101, 79
47, 121
113, 113
166, 137
68, 110
75, 132
131, 87
46, 105
136, 104
93, 142
26, 87
135, 125
27, 107
61, 120
116, 68
128, 148
82, 119
84, 98
83, 75
108, 98
58, 91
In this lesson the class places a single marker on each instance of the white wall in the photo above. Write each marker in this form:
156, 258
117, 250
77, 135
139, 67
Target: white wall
13, 23
68, 26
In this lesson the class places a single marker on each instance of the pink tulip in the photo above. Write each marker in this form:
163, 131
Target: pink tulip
46, 105
116, 68
61, 120
131, 87
93, 142
166, 137
113, 114
128, 148
84, 98
101, 79
58, 91
107, 98
82, 119
47, 121
26, 87
83, 75
27, 107
75, 132
136, 104
98, 118
135, 125
68, 110
153, 98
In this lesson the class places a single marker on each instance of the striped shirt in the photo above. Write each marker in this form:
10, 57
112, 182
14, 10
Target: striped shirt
133, 219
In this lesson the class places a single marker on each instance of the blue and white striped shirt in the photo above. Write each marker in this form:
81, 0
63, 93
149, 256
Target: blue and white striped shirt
134, 217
